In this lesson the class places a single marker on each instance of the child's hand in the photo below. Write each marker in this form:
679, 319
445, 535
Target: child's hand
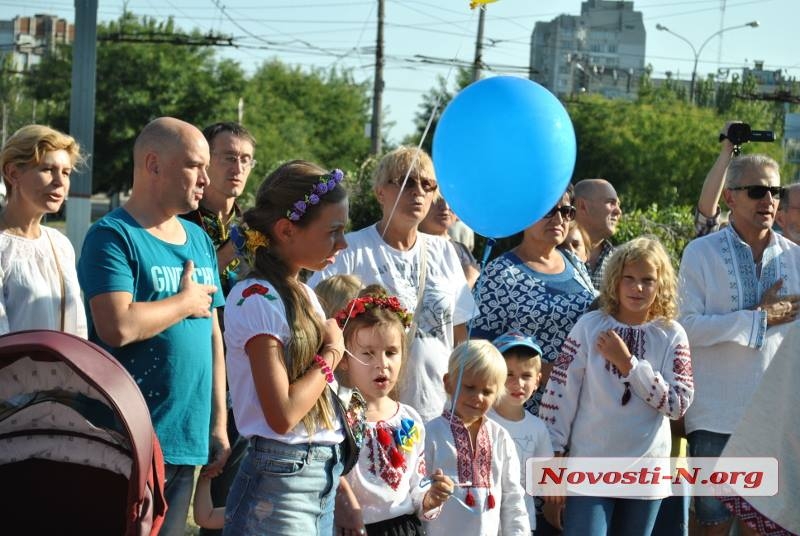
441, 489
614, 350
347, 515
332, 342
552, 511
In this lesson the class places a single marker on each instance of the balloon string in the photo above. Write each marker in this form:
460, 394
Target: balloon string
487, 251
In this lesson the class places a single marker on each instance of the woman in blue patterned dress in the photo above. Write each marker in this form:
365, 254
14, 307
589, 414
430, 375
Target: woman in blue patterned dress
535, 288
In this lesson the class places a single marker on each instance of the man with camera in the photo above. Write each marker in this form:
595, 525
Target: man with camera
739, 289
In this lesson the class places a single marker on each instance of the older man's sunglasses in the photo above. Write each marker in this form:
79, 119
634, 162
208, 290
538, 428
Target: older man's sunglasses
567, 212
758, 191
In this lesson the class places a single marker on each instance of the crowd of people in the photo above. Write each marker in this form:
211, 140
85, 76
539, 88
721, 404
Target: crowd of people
269, 343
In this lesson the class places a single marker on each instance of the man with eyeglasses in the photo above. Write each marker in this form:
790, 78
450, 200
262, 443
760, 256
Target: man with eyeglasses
598, 213
739, 289
788, 216
232, 148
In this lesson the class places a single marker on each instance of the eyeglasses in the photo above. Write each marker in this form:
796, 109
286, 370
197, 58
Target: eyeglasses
758, 191
412, 183
245, 160
567, 212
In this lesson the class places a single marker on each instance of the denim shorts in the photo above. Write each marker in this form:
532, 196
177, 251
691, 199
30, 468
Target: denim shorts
705, 444
284, 489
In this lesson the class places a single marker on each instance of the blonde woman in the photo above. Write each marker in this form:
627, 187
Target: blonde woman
38, 282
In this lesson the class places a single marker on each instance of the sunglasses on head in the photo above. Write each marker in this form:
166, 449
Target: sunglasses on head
567, 212
758, 191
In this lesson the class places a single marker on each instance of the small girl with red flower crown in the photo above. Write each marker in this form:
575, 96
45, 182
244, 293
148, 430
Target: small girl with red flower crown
389, 482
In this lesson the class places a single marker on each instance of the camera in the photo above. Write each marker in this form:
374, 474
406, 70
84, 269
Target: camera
740, 133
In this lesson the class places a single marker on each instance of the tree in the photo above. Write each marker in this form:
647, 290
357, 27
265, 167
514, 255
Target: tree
316, 115
137, 82
16, 106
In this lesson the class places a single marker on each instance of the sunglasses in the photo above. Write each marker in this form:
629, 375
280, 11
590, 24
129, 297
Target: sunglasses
567, 212
412, 183
758, 191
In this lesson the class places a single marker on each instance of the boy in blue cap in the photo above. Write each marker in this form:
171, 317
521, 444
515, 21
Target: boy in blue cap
524, 363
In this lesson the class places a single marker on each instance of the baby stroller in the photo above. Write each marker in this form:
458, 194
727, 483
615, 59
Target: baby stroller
78, 454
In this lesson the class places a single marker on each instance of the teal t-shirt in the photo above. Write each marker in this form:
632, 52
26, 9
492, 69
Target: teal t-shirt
174, 368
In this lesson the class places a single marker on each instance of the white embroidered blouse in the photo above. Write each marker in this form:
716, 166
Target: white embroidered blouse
30, 284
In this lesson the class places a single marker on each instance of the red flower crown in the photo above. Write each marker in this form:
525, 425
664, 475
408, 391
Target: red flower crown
359, 306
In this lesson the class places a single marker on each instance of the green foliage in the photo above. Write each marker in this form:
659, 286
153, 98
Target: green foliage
315, 116
652, 151
137, 82
364, 207
673, 226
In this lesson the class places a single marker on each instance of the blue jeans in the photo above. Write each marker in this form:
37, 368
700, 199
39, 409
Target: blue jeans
673, 516
178, 488
599, 516
284, 489
705, 444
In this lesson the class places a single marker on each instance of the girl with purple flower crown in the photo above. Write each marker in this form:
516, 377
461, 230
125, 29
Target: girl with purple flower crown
388, 482
281, 353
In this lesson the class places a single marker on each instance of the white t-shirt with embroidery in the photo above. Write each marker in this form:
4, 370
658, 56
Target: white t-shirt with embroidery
254, 308
532, 440
446, 302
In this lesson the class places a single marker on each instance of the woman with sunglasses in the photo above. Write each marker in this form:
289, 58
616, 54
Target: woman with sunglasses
38, 282
536, 288
422, 270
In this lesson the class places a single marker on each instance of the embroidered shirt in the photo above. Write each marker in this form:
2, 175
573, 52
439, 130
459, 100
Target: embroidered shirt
384, 491
492, 466
719, 289
704, 225
218, 231
582, 406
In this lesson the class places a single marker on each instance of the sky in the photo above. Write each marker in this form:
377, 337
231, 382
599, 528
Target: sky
423, 37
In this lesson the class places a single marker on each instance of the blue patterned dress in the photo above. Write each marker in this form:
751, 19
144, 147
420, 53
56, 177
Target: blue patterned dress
510, 295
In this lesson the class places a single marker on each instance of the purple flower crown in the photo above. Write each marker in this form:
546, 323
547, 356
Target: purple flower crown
325, 184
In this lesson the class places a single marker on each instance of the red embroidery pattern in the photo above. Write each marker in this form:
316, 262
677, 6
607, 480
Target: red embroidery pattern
475, 467
380, 463
753, 518
255, 290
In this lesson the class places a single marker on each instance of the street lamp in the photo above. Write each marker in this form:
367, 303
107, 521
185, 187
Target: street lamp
698, 51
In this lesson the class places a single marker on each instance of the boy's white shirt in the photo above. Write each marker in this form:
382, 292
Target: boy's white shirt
532, 441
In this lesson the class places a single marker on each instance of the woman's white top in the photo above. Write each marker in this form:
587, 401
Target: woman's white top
30, 284
446, 302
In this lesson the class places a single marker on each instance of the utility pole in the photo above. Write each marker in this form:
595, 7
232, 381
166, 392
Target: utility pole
476, 64
377, 90
81, 118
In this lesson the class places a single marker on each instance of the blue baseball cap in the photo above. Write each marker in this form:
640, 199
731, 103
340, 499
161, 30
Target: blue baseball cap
513, 338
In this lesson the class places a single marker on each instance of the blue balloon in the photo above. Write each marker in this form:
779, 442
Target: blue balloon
504, 152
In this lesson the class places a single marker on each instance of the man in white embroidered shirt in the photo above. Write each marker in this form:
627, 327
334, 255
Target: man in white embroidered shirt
739, 289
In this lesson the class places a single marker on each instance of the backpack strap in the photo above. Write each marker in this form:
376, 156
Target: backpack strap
110, 378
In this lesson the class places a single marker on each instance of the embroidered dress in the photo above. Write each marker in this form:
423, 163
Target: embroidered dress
582, 405
492, 467
719, 289
384, 489
545, 306
446, 302
30, 285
